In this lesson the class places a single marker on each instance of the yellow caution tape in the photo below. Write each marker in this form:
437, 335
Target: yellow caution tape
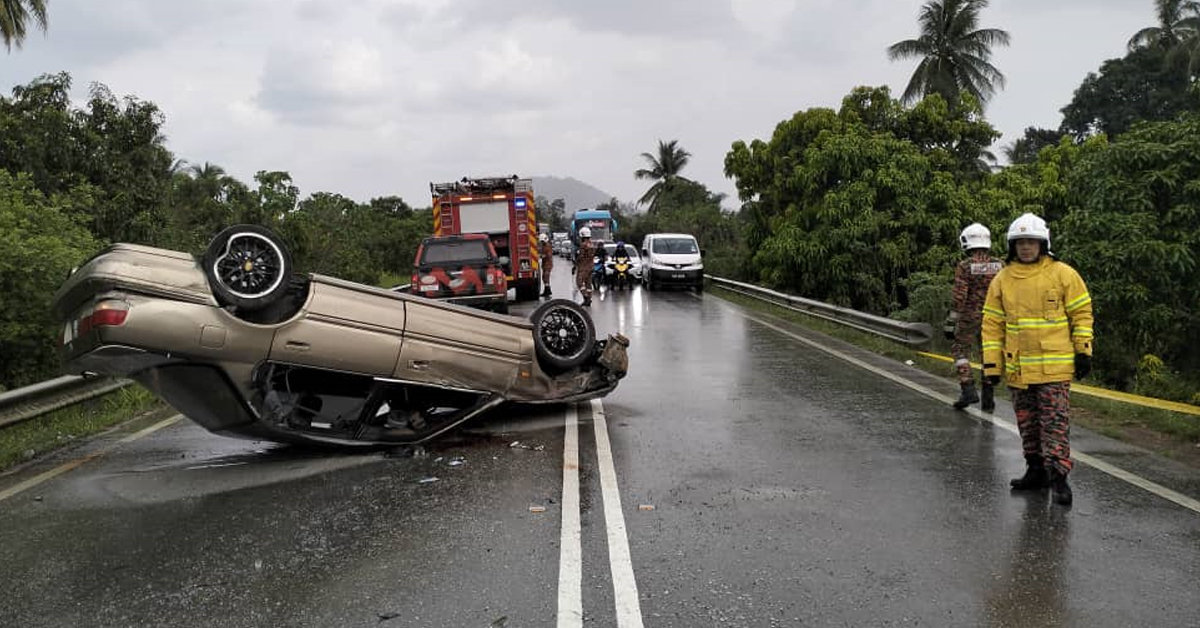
1149, 402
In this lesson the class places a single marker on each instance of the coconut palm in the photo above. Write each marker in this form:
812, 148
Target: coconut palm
954, 52
1178, 33
14, 14
663, 169
1177, 23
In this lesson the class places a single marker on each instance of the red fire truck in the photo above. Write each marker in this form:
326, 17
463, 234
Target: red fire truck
501, 207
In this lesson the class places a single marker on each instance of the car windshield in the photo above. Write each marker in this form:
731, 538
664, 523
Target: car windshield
609, 249
442, 252
674, 245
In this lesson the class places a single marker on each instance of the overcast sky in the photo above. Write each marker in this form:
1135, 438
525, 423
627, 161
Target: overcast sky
376, 97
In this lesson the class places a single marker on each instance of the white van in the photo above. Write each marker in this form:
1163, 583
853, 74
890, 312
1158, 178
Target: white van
672, 259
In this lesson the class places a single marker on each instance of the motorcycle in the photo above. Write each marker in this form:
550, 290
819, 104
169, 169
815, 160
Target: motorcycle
597, 272
618, 273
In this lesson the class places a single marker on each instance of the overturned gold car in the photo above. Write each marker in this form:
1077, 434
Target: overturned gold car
245, 347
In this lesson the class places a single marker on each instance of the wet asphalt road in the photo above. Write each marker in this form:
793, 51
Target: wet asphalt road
789, 488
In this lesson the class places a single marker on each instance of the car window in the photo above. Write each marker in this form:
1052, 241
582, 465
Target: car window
631, 250
441, 252
675, 245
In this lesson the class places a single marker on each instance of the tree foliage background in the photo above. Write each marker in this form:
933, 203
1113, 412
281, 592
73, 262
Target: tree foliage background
74, 179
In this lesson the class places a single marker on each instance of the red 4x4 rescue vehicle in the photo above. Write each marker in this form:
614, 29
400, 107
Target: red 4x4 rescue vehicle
503, 209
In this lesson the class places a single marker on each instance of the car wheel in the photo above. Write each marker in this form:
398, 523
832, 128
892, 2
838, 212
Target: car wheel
700, 287
563, 334
247, 266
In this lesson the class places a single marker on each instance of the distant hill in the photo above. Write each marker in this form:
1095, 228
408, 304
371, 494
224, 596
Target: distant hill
575, 193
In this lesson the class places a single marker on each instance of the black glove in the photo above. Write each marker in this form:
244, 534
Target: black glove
1083, 365
994, 380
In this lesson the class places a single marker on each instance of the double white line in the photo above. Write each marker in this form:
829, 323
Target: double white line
570, 568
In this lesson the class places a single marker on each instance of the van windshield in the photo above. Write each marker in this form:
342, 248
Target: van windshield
674, 245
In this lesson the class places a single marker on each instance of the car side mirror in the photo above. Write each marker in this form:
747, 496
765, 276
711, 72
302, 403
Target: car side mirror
503, 261
645, 253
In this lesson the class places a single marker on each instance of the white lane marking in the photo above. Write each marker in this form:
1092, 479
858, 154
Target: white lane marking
570, 557
1095, 463
63, 468
625, 592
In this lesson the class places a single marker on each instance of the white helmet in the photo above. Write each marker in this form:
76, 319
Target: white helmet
1029, 226
585, 233
543, 237
975, 236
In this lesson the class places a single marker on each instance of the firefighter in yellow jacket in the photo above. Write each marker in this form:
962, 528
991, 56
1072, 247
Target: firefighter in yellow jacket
1037, 333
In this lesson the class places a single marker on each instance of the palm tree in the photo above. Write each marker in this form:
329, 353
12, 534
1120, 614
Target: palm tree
1177, 23
13, 16
954, 52
663, 169
1178, 33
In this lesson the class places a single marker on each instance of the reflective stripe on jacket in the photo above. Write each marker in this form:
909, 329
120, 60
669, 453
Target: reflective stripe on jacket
1035, 319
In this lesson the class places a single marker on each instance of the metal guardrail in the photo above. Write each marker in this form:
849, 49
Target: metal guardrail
900, 331
35, 400
915, 334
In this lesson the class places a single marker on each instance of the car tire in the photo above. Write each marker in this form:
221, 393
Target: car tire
563, 334
700, 287
247, 266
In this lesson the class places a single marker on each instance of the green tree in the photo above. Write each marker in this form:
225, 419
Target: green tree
954, 52
43, 239
1139, 86
1024, 149
14, 16
41, 133
663, 169
1135, 238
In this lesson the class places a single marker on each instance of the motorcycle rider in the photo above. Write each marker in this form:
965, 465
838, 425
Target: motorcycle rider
583, 265
1037, 332
972, 276
620, 255
546, 252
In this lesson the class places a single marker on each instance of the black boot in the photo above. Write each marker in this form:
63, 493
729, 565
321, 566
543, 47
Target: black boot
546, 292
587, 301
987, 396
968, 396
1035, 477
1062, 490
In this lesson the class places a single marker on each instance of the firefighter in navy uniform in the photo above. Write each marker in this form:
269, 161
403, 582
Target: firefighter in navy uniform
546, 253
1037, 333
583, 265
972, 277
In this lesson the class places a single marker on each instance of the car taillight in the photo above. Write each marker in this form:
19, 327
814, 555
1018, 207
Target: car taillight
109, 313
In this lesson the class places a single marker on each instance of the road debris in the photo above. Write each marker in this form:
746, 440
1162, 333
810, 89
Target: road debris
457, 461
429, 480
646, 507
537, 509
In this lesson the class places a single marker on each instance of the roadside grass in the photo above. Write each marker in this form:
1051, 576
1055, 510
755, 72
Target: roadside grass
1168, 433
63, 427
389, 279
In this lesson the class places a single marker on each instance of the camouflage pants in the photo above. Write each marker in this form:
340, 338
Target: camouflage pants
966, 339
1044, 420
